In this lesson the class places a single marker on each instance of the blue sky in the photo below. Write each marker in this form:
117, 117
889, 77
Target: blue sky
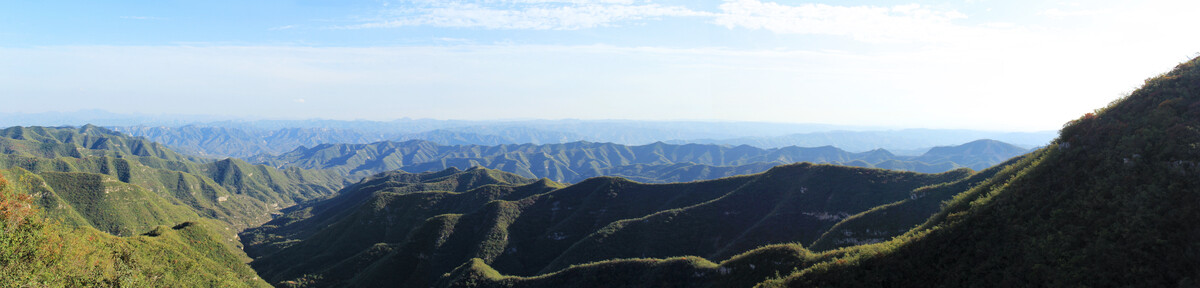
998, 65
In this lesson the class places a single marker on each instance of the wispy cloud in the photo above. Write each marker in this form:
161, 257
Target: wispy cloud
523, 14
901, 23
284, 27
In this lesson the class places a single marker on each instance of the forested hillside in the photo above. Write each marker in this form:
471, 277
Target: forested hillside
427, 224
172, 247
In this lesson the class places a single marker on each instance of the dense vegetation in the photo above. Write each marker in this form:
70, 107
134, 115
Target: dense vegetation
419, 224
653, 163
40, 252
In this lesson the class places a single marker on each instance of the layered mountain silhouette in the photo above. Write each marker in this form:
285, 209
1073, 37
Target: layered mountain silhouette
248, 139
654, 163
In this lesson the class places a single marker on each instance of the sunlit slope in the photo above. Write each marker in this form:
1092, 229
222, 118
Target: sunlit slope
40, 252
230, 190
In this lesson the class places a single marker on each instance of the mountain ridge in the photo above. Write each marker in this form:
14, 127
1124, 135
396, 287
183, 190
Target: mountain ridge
657, 162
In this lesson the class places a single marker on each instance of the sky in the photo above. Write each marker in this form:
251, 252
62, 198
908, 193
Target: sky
976, 64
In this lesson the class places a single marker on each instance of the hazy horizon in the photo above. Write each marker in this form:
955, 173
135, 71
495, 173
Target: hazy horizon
981, 65
108, 118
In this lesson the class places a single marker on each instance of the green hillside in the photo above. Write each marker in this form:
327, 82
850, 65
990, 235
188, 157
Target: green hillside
1108, 204
792, 203
381, 209
652, 163
48, 142
38, 252
113, 206
230, 190
418, 224
89, 207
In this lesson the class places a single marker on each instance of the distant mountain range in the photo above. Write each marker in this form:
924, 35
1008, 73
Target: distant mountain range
653, 163
247, 139
904, 142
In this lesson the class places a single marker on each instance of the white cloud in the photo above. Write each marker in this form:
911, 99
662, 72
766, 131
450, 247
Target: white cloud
903, 23
299, 100
284, 27
523, 14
